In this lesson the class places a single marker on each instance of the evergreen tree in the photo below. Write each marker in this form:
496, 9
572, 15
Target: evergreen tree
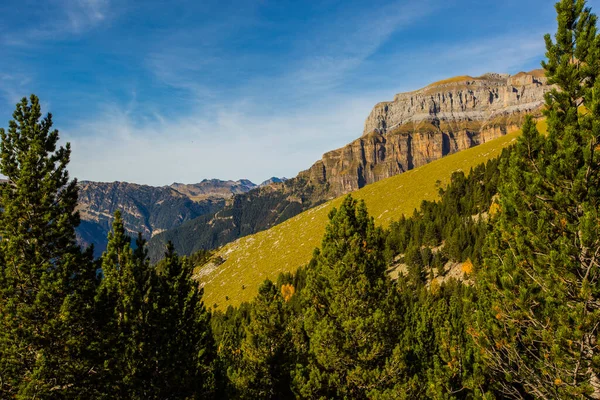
183, 350
350, 312
123, 305
46, 283
539, 310
264, 370
156, 338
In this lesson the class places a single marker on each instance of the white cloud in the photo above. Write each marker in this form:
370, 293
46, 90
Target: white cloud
60, 19
85, 14
343, 45
235, 143
499, 54
315, 62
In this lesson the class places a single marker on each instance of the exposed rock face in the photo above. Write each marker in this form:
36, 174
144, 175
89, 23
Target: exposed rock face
421, 126
148, 209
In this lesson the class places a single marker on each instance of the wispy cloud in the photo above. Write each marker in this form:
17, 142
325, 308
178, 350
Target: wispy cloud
85, 14
59, 19
342, 45
188, 149
12, 86
498, 54
315, 62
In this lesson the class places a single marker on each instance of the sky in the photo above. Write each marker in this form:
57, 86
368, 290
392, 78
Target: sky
156, 92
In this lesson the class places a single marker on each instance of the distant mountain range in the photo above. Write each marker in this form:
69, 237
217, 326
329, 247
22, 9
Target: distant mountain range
412, 130
149, 209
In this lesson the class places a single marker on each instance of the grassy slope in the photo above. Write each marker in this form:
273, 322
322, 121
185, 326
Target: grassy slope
285, 247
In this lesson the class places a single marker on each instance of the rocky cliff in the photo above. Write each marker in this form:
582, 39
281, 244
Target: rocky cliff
148, 209
421, 126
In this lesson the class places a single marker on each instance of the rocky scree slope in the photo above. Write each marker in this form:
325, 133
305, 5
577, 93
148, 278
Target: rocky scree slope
410, 131
148, 209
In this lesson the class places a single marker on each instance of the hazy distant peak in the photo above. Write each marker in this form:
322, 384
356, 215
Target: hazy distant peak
272, 180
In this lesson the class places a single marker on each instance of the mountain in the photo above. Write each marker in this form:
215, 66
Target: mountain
412, 130
244, 264
421, 126
273, 180
213, 188
148, 209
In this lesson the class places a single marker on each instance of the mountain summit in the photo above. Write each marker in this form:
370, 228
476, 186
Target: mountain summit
421, 126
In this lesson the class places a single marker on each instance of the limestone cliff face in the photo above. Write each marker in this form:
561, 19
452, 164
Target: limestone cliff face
421, 126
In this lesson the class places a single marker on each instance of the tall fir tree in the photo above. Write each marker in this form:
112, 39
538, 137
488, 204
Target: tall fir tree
539, 311
350, 317
46, 283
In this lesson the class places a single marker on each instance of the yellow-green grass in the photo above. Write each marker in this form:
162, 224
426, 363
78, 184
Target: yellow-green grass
285, 247
461, 78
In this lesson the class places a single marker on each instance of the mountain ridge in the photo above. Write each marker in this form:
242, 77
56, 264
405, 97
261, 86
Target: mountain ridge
410, 131
148, 209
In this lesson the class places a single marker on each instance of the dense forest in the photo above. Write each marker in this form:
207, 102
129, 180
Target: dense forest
521, 321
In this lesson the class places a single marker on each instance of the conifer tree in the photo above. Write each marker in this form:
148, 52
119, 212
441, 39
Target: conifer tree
181, 342
264, 370
123, 307
539, 310
350, 316
46, 283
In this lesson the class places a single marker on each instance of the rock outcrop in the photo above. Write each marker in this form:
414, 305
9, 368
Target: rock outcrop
421, 126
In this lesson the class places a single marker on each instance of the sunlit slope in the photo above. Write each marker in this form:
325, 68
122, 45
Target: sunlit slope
285, 247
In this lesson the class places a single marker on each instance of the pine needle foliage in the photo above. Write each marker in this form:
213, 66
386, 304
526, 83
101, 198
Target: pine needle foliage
46, 282
539, 314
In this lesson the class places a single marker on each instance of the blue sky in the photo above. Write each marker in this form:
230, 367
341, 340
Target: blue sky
155, 92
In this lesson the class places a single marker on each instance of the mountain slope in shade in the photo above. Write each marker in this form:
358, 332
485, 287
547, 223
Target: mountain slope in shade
410, 131
248, 261
148, 209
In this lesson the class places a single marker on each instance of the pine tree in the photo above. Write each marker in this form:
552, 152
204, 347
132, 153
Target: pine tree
46, 283
350, 312
539, 311
123, 306
181, 342
264, 370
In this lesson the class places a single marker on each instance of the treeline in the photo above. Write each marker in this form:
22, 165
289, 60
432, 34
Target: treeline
521, 322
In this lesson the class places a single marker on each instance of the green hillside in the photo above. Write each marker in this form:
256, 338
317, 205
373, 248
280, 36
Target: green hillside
285, 247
